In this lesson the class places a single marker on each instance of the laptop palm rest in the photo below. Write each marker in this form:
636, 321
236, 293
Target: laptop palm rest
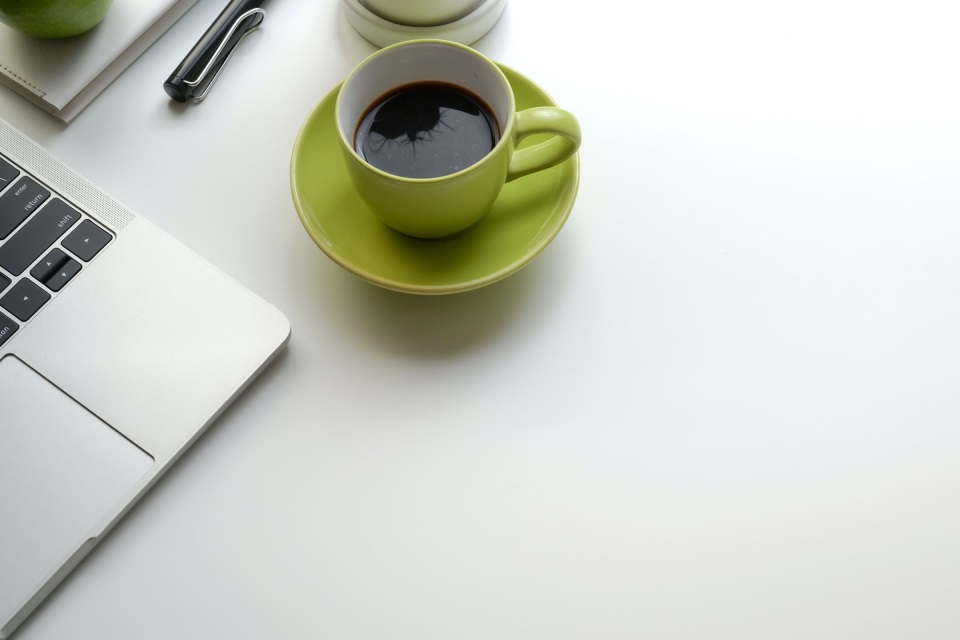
62, 472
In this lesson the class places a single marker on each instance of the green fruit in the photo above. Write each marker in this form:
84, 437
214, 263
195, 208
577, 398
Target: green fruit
53, 18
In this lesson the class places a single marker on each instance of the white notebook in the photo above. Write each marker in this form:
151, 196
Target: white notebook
63, 76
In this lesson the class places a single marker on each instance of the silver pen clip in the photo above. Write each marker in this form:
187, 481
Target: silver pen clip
215, 62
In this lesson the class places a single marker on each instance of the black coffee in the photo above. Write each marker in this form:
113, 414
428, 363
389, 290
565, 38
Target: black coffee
426, 130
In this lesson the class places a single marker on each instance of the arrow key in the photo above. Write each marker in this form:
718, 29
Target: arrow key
47, 266
63, 275
24, 299
86, 240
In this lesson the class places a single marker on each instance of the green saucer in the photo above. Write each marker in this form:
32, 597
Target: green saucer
526, 217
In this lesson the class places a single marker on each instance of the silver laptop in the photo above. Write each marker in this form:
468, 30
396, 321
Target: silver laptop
118, 347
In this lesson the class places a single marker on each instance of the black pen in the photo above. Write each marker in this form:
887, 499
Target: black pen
198, 71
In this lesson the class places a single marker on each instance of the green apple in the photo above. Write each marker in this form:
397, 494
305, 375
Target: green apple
53, 18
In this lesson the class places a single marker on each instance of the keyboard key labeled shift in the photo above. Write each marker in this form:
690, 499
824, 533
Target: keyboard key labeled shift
24, 299
35, 237
18, 202
86, 240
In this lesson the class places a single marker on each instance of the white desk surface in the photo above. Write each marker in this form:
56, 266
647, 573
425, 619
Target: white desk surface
722, 404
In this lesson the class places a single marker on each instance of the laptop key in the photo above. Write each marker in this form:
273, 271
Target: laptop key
24, 299
7, 173
4, 282
7, 328
48, 265
86, 240
37, 235
63, 275
18, 202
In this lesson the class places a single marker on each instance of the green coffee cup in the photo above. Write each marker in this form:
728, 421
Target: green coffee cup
53, 18
441, 205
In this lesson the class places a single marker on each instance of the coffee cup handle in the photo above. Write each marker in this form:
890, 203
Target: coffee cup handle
563, 144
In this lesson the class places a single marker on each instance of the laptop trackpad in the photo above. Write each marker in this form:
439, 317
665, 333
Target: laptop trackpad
62, 470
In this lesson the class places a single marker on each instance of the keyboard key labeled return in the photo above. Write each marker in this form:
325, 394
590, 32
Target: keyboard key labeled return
7, 328
18, 202
24, 299
37, 235
86, 240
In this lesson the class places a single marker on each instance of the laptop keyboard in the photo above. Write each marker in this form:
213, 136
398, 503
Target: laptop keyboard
33, 269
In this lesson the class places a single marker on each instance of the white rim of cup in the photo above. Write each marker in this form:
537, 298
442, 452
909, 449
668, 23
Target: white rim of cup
506, 109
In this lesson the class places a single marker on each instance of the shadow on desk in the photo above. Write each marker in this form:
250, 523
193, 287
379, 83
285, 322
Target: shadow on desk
438, 327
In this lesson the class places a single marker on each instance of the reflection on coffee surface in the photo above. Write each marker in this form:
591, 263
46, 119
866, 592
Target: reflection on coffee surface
426, 130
